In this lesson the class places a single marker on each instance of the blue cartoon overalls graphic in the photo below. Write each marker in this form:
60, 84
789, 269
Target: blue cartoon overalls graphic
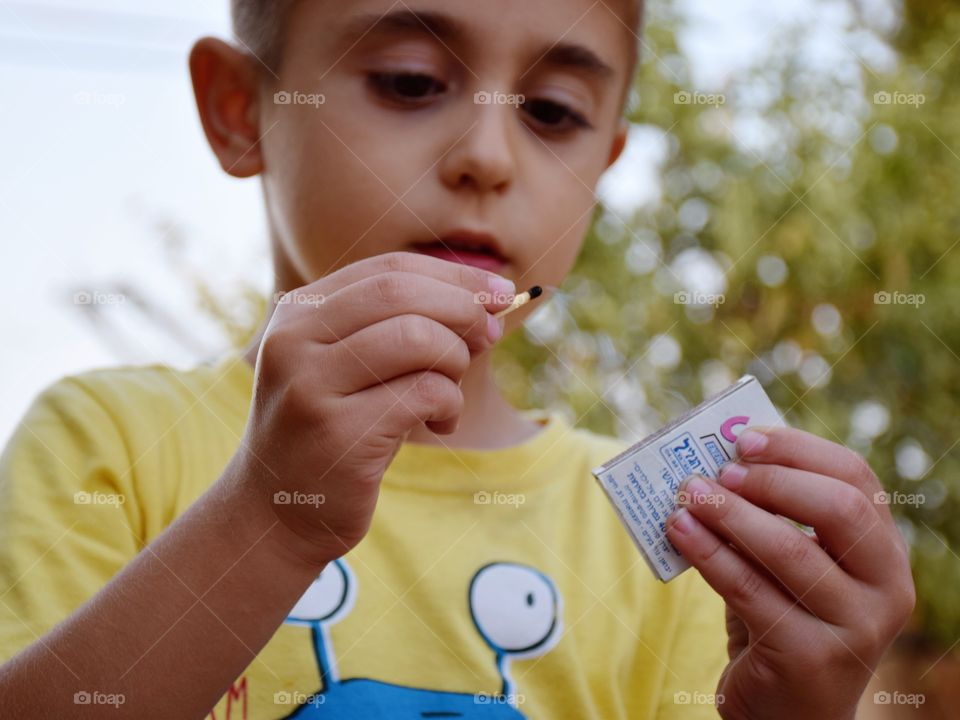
516, 610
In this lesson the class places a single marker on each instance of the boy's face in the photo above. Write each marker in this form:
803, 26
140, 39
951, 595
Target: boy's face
403, 154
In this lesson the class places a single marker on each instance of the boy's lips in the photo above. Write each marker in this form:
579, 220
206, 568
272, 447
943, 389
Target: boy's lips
469, 248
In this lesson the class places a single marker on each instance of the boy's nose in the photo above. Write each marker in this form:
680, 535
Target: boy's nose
482, 157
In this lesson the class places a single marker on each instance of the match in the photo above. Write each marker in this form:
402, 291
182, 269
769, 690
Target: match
520, 300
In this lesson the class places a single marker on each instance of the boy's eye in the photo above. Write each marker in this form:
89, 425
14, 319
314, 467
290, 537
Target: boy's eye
406, 87
554, 116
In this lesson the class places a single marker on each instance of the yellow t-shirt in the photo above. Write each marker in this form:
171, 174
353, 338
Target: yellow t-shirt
493, 584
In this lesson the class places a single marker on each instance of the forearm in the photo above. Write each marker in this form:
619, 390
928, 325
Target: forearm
177, 626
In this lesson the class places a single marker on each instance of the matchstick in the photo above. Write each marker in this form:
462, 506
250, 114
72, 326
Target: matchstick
520, 300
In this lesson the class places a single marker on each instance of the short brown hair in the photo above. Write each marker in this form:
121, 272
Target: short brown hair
260, 25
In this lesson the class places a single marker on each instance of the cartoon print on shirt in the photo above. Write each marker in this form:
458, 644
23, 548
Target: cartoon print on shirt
515, 608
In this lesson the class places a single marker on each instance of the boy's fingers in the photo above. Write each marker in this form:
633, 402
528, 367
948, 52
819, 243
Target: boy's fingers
392, 408
847, 523
392, 348
380, 297
806, 451
791, 558
745, 588
498, 291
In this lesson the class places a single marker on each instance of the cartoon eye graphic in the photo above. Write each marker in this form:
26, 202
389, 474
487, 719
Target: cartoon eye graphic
328, 597
514, 607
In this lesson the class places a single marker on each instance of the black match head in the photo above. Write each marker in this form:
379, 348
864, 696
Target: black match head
535, 292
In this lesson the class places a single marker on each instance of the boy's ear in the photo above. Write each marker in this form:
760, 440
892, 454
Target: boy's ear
226, 88
619, 141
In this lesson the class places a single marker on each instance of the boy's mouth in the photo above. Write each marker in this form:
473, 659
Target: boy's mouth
477, 249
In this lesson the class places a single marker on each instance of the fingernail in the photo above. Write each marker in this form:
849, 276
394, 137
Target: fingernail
683, 521
494, 328
691, 488
751, 442
503, 290
732, 475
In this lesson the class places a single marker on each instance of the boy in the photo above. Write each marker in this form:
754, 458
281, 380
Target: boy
207, 540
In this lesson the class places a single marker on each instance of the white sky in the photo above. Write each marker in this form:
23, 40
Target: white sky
99, 140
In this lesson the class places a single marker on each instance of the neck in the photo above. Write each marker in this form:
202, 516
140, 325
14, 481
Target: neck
487, 421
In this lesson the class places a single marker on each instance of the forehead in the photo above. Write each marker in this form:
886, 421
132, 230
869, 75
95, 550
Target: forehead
595, 35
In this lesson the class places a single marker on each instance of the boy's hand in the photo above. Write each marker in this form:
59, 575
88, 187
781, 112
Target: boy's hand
807, 617
348, 365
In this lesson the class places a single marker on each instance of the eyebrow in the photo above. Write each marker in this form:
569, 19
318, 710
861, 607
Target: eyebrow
576, 57
404, 22
447, 29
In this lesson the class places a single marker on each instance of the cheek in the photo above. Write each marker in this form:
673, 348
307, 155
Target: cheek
563, 210
326, 196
